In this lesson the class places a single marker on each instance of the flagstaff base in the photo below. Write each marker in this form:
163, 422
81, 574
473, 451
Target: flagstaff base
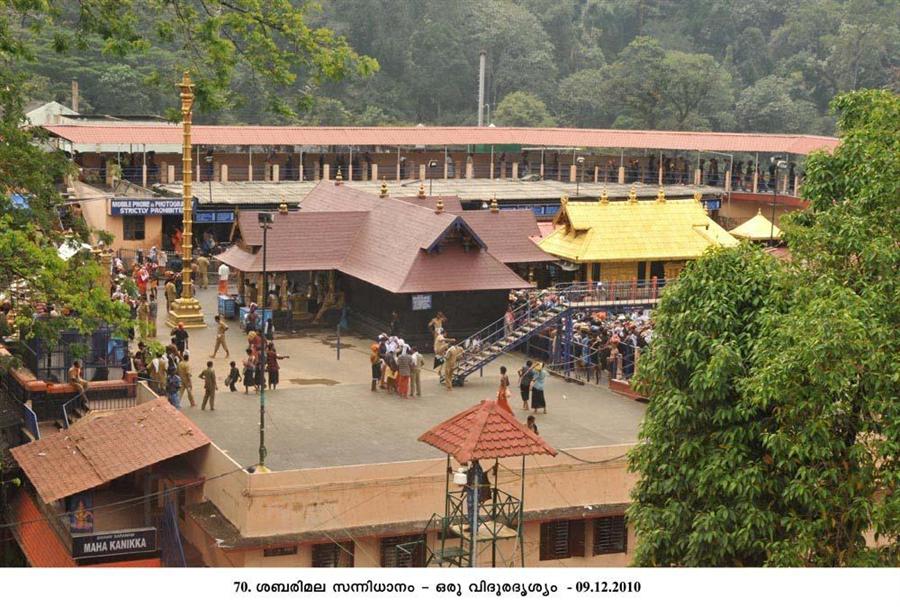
187, 311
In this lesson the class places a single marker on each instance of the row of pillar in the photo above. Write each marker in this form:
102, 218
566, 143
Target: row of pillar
273, 173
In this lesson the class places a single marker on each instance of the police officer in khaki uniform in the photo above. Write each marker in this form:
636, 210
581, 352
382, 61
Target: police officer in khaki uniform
208, 375
221, 327
203, 271
184, 372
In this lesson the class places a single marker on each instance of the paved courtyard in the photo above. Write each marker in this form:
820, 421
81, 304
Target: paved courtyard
324, 413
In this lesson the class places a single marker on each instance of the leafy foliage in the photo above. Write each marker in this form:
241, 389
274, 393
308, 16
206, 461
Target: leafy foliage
215, 39
522, 109
427, 54
772, 435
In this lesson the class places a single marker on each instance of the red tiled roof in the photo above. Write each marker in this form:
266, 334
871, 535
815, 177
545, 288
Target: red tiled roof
442, 136
454, 269
296, 241
382, 241
41, 544
508, 234
96, 451
486, 431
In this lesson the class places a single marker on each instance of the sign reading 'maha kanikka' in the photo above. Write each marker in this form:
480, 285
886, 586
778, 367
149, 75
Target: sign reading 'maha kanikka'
129, 541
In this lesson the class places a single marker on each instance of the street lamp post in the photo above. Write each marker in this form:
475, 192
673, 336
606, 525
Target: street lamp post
780, 164
265, 223
186, 309
578, 177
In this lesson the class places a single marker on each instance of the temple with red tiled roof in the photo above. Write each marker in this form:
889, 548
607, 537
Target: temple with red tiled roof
385, 255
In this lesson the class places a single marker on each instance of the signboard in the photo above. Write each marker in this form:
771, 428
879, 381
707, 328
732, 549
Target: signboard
81, 512
115, 543
421, 302
712, 204
145, 206
214, 216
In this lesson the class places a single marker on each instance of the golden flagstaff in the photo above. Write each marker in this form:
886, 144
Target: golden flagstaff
186, 309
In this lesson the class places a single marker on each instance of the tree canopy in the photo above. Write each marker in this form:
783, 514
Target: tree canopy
130, 54
427, 58
772, 436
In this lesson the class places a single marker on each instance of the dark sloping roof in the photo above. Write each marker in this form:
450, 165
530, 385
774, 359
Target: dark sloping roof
508, 234
96, 451
454, 269
451, 203
442, 136
486, 431
296, 241
382, 241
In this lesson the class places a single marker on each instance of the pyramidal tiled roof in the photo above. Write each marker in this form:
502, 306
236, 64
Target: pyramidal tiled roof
486, 431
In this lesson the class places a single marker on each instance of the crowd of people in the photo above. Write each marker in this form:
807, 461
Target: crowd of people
396, 366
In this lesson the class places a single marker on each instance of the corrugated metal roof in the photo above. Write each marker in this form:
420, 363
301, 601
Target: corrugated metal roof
96, 451
486, 431
441, 136
622, 231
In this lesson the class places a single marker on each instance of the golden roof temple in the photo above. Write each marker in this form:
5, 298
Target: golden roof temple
633, 239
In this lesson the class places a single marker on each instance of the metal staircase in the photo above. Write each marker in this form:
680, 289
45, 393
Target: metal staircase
499, 338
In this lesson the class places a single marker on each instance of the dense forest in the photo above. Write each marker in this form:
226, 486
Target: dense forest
743, 65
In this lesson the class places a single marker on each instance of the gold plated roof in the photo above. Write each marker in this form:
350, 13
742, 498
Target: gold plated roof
634, 231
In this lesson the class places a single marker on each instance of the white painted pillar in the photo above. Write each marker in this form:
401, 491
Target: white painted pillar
374, 172
276, 172
223, 173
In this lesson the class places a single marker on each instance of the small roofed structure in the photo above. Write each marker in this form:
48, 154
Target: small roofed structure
487, 430
474, 510
757, 229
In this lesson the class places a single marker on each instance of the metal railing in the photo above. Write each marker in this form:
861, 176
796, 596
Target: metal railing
12, 400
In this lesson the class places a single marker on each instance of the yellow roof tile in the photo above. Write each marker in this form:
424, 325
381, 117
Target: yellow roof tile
595, 232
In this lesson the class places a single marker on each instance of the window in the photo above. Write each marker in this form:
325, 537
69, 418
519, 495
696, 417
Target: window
562, 540
333, 555
280, 551
403, 551
133, 227
610, 535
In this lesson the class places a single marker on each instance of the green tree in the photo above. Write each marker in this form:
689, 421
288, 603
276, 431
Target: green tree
768, 107
637, 84
827, 363
703, 493
522, 109
699, 92
772, 436
580, 100
212, 39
